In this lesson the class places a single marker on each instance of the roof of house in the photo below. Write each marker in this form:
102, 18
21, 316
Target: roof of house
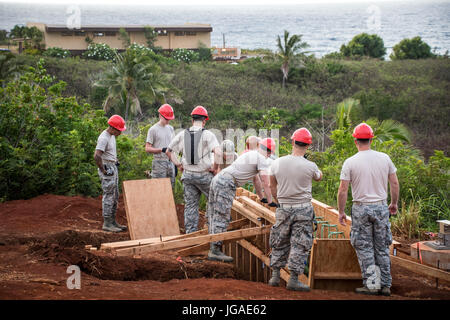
103, 28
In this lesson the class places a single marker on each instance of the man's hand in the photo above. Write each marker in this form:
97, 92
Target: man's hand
342, 219
180, 167
393, 209
163, 150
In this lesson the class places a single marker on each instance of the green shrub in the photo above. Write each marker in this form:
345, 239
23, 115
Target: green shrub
57, 52
99, 51
364, 45
413, 48
185, 55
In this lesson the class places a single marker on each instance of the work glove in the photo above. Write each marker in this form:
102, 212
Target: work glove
264, 200
163, 150
109, 170
305, 156
274, 204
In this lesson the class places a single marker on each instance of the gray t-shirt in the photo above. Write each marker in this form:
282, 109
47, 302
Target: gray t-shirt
368, 171
159, 137
294, 176
107, 143
208, 142
246, 166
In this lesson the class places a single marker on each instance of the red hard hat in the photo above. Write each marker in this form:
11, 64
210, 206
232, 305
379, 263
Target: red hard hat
269, 143
302, 135
201, 111
117, 122
363, 131
166, 111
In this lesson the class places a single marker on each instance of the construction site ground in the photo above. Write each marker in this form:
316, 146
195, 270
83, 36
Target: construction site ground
41, 237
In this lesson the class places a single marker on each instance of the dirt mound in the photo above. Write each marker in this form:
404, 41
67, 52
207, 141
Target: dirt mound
68, 247
52, 213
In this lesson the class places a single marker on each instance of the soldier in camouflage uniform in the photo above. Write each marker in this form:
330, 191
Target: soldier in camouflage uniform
369, 172
196, 145
158, 139
105, 157
291, 236
223, 190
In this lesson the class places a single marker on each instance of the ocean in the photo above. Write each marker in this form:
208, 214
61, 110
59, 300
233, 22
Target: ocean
325, 27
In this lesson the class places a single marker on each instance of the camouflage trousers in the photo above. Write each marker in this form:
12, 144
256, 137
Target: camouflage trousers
194, 185
291, 237
371, 237
163, 169
221, 196
110, 186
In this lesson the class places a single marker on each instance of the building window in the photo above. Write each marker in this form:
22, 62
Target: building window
110, 34
190, 33
99, 34
80, 33
162, 33
179, 33
67, 33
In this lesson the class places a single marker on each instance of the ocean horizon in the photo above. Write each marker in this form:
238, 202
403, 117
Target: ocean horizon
325, 27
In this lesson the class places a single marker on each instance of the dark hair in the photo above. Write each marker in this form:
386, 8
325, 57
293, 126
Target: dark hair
301, 144
363, 141
198, 117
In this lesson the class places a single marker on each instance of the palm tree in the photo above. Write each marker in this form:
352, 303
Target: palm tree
389, 130
133, 77
288, 48
343, 111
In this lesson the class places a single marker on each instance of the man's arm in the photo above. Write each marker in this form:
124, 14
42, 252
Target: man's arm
273, 187
218, 159
266, 186
319, 176
150, 149
342, 199
395, 190
98, 160
258, 186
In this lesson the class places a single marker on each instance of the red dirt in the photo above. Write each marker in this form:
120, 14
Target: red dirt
41, 237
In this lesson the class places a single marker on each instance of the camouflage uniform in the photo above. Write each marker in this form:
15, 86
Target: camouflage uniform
292, 236
163, 169
195, 183
110, 186
371, 237
220, 201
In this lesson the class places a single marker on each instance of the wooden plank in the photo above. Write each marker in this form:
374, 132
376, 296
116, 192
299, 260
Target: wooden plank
134, 243
168, 245
421, 269
239, 207
334, 265
150, 208
205, 246
331, 215
258, 209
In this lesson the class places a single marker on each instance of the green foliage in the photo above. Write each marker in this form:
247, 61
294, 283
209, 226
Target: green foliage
99, 51
47, 140
32, 36
57, 52
150, 36
413, 48
364, 45
125, 37
32, 51
185, 55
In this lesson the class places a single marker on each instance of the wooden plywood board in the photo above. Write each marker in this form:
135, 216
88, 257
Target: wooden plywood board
334, 265
150, 208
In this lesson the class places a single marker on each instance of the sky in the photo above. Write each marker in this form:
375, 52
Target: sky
199, 2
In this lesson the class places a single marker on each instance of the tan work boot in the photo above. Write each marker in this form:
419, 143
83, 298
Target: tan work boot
275, 280
385, 291
216, 255
365, 290
294, 284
